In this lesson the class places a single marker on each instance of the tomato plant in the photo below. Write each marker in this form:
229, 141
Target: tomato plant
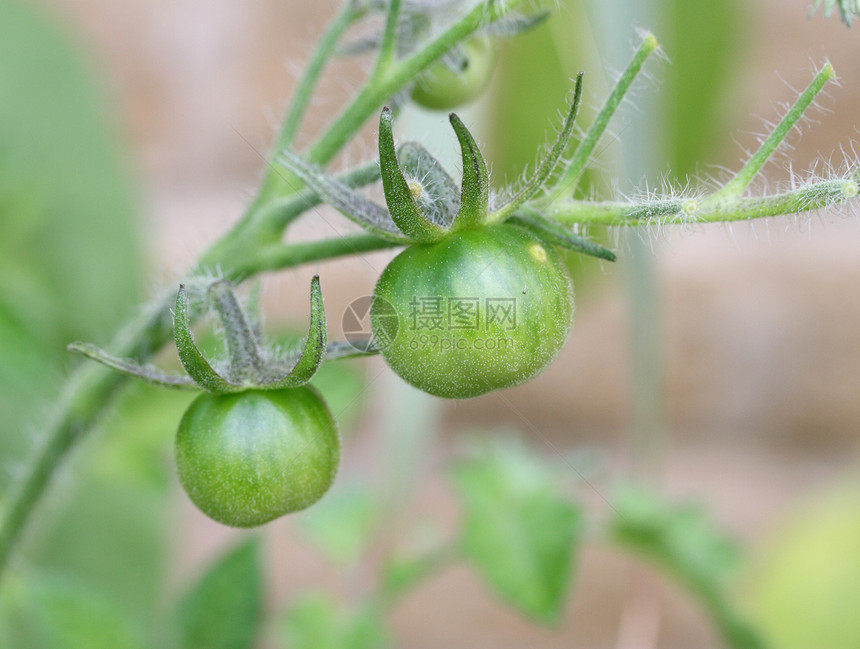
484, 309
480, 301
247, 458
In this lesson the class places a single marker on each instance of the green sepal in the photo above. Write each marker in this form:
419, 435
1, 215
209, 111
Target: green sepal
558, 235
242, 342
315, 346
145, 372
475, 192
440, 197
402, 206
548, 164
192, 360
370, 216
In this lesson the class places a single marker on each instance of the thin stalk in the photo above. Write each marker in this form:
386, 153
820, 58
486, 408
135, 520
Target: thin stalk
387, 48
280, 212
277, 257
383, 86
573, 173
736, 185
686, 211
346, 16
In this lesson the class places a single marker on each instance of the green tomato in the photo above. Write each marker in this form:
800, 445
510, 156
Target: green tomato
484, 309
249, 457
441, 88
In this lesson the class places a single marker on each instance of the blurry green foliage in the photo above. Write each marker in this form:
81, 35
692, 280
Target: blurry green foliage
519, 533
69, 258
315, 621
223, 609
805, 586
342, 524
682, 542
50, 611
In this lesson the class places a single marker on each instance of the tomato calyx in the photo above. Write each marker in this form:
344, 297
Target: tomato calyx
423, 206
250, 365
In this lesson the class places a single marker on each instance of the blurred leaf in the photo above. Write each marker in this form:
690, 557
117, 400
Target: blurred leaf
400, 574
110, 536
109, 530
223, 609
316, 622
69, 261
680, 540
519, 533
340, 526
50, 612
806, 582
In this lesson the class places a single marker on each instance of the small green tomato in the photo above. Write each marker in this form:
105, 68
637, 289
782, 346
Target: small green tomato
441, 88
249, 457
483, 309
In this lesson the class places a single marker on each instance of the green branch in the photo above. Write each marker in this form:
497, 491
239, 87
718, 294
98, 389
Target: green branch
736, 185
573, 173
825, 193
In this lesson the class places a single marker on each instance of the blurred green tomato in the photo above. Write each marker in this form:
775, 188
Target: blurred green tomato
441, 88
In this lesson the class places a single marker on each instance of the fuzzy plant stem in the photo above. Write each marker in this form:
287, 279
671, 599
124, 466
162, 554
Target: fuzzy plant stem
826, 193
576, 167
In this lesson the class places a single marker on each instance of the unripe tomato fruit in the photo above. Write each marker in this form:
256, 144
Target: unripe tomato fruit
484, 309
440, 88
247, 458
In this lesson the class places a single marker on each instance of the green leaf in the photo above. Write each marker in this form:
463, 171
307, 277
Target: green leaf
520, 533
193, 361
680, 540
560, 236
399, 196
342, 524
370, 216
475, 193
223, 609
53, 612
316, 622
69, 255
242, 341
315, 345
146, 373
548, 164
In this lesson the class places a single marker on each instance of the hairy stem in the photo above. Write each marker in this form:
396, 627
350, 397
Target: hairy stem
736, 185
573, 173
348, 14
386, 82
678, 211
